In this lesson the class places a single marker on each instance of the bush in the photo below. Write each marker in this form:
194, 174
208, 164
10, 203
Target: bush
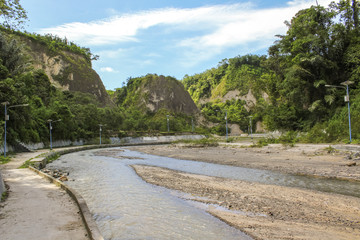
289, 139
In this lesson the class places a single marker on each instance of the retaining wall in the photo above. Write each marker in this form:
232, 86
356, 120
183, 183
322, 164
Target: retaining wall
116, 140
113, 140
89, 222
2, 185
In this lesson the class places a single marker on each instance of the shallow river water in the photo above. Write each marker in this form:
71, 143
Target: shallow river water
126, 207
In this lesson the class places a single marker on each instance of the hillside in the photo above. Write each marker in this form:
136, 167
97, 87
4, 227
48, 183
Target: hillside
67, 65
299, 86
152, 93
236, 86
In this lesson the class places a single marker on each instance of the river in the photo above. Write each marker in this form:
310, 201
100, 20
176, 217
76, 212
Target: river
126, 207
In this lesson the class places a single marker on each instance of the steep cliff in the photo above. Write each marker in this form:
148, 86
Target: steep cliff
152, 93
67, 70
67, 65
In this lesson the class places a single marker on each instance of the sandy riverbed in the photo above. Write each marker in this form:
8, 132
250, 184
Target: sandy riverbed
267, 211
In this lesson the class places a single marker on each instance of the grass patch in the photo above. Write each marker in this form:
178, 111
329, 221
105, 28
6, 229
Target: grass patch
26, 164
52, 157
4, 196
330, 149
4, 160
264, 142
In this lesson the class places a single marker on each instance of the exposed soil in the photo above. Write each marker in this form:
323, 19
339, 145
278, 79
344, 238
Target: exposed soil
267, 211
308, 159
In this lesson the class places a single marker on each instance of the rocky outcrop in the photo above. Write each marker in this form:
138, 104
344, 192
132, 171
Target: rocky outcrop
67, 70
165, 92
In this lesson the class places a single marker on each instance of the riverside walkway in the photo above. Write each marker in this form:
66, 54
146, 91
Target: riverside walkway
35, 208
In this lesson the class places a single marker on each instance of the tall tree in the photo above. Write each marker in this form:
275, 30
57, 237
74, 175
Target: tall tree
12, 14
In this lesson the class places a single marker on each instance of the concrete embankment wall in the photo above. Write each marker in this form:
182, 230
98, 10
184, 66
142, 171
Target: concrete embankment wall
2, 185
89, 222
155, 139
113, 140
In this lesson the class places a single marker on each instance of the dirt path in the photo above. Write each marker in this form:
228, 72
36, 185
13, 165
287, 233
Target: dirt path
35, 208
267, 211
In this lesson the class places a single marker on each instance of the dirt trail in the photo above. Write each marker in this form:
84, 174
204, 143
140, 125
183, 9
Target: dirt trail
35, 208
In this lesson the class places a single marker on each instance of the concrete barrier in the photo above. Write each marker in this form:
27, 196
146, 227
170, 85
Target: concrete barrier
2, 185
90, 224
154, 139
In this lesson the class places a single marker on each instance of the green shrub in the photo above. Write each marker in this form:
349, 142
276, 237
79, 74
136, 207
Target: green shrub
4, 160
289, 139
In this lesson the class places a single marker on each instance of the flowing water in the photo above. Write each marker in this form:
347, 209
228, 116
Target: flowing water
125, 207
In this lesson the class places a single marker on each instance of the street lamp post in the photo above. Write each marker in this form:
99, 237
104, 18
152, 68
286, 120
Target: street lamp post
168, 126
250, 121
7, 119
100, 125
346, 99
50, 127
226, 125
192, 125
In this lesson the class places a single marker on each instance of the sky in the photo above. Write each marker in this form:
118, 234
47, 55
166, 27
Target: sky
166, 37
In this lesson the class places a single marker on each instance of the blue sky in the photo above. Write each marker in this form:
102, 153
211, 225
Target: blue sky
168, 37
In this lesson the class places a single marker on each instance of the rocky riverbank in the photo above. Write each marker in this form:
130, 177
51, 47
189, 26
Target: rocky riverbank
305, 159
267, 211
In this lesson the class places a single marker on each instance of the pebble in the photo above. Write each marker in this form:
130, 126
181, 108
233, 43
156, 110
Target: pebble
56, 173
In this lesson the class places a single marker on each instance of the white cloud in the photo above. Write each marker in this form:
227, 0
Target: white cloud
222, 19
126, 27
246, 27
213, 28
115, 53
107, 69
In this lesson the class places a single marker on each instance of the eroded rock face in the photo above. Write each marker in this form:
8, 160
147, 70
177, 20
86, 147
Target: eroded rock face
160, 92
68, 71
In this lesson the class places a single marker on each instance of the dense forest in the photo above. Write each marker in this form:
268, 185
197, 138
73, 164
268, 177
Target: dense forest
321, 47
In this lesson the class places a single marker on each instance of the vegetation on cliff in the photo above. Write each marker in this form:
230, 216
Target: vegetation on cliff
150, 100
20, 83
284, 90
321, 47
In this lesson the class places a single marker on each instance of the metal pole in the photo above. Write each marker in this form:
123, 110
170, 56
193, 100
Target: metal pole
168, 127
100, 134
50, 127
251, 128
347, 94
226, 125
347, 98
250, 123
7, 118
192, 125
5, 131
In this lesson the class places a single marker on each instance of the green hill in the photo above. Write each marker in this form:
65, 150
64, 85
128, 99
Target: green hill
286, 90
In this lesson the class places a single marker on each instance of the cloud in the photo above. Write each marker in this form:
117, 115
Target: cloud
199, 33
107, 69
255, 28
125, 28
115, 53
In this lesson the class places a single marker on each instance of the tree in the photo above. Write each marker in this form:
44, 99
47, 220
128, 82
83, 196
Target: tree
306, 58
349, 13
12, 14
